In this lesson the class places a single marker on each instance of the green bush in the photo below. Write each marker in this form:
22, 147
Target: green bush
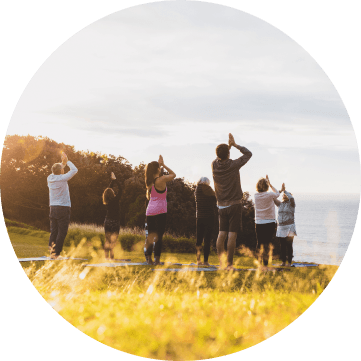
10, 223
28, 232
75, 235
128, 240
178, 245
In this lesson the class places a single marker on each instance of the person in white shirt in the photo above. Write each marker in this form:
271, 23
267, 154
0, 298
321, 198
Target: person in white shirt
59, 200
265, 218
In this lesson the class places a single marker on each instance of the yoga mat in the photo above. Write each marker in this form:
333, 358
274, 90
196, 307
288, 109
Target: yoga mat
199, 269
298, 265
115, 264
44, 258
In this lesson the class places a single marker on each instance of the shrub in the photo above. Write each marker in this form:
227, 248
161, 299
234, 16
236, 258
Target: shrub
128, 240
75, 235
180, 245
28, 232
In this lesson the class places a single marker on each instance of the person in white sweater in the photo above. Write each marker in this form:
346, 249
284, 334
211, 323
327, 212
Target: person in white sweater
59, 201
286, 229
265, 218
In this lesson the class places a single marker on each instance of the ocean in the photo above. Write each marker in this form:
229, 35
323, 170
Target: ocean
324, 224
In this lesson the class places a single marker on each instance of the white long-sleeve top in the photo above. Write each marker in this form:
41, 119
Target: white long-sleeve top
58, 187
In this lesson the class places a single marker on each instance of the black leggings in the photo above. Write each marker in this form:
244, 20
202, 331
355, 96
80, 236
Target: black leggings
265, 233
286, 249
204, 231
156, 224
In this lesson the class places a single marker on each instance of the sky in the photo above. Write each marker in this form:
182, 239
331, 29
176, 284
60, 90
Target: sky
174, 78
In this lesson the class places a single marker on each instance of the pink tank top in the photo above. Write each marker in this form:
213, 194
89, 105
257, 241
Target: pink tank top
157, 203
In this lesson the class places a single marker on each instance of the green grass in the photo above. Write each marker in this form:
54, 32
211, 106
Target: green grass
164, 315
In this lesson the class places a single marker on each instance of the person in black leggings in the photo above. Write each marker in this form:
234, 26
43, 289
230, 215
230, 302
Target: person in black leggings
205, 205
111, 222
156, 185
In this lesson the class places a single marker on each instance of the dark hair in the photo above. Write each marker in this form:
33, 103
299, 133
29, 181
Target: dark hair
262, 185
56, 168
108, 195
222, 151
150, 169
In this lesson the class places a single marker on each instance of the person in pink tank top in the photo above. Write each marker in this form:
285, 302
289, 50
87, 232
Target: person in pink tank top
157, 207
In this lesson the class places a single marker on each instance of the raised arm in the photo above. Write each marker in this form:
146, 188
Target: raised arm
162, 181
241, 161
291, 198
277, 193
73, 168
114, 182
277, 202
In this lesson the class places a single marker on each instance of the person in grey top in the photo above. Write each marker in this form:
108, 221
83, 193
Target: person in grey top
286, 229
59, 200
227, 185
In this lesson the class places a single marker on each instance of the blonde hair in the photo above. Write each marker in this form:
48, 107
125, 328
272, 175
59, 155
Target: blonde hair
262, 185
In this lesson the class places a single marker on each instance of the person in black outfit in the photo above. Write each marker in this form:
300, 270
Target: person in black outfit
111, 222
205, 205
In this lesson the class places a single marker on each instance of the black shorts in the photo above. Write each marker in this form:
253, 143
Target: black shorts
111, 225
156, 224
230, 218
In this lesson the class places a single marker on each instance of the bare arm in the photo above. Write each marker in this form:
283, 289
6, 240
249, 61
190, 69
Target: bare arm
272, 187
162, 181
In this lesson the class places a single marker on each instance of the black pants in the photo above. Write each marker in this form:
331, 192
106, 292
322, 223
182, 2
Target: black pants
286, 249
59, 223
156, 224
265, 233
204, 231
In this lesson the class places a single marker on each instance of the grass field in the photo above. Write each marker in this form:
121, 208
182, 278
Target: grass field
164, 315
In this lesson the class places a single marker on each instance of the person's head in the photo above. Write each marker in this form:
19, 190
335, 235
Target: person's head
152, 170
57, 169
108, 195
222, 151
262, 185
204, 180
284, 197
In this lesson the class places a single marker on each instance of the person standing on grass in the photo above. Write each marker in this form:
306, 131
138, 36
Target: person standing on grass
265, 218
111, 222
286, 229
205, 201
59, 200
227, 185
157, 207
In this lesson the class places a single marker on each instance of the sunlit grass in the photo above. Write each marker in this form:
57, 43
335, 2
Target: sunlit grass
179, 315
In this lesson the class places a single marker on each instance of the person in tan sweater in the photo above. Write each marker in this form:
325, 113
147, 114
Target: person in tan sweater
265, 217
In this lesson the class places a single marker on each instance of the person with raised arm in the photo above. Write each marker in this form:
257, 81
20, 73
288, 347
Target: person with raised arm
286, 229
265, 218
60, 205
227, 185
205, 205
156, 212
111, 222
